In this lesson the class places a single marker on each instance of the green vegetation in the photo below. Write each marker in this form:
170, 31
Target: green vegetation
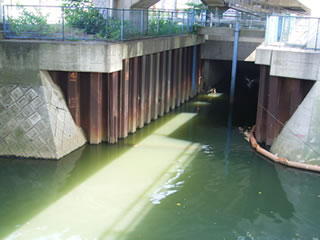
196, 7
83, 21
33, 22
166, 27
81, 14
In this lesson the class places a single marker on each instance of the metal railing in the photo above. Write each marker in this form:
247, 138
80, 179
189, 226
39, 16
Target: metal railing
209, 18
65, 23
258, 6
293, 31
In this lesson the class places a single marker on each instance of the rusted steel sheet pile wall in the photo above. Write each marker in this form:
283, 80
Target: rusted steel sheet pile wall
109, 106
278, 99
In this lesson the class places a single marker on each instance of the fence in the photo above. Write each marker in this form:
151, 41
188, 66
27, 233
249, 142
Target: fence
258, 6
210, 18
65, 23
293, 31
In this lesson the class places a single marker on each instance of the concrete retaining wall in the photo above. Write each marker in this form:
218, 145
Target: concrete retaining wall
290, 62
35, 120
219, 43
84, 56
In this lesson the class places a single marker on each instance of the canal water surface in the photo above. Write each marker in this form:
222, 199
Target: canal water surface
184, 176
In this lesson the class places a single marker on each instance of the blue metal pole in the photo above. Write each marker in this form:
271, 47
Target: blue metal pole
158, 22
107, 23
62, 22
141, 23
316, 46
234, 62
183, 22
192, 18
194, 64
171, 22
4, 22
122, 18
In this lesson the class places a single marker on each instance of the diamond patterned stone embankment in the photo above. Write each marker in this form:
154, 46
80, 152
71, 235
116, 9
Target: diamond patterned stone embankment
35, 121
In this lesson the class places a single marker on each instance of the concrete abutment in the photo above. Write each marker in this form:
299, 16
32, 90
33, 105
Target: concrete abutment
99, 106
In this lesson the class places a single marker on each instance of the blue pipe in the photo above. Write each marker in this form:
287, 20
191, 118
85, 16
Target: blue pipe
234, 62
194, 64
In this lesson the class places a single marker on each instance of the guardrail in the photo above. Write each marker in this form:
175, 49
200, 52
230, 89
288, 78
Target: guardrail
258, 6
293, 31
66, 23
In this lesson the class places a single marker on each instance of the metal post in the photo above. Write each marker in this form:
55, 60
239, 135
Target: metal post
107, 24
201, 18
4, 22
234, 62
194, 64
192, 19
183, 22
62, 22
122, 18
316, 46
158, 22
141, 23
171, 22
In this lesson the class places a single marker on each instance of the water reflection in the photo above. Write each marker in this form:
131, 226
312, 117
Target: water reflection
21, 181
110, 200
229, 135
167, 181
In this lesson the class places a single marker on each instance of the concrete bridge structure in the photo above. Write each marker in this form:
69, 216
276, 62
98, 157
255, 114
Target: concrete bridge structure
57, 95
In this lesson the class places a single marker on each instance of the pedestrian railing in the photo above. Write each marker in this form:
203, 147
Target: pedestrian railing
293, 31
67, 23
258, 6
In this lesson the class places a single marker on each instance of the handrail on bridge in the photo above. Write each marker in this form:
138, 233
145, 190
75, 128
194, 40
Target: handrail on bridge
293, 31
88, 23
258, 6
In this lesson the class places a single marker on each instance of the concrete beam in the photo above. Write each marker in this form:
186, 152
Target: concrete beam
214, 3
219, 43
136, 4
83, 56
290, 62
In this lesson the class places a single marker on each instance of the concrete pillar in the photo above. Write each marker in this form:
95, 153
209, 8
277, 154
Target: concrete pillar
95, 134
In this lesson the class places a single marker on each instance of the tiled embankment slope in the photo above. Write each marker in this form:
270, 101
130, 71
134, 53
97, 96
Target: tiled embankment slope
34, 119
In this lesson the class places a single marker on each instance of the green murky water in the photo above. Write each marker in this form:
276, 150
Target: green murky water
181, 177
